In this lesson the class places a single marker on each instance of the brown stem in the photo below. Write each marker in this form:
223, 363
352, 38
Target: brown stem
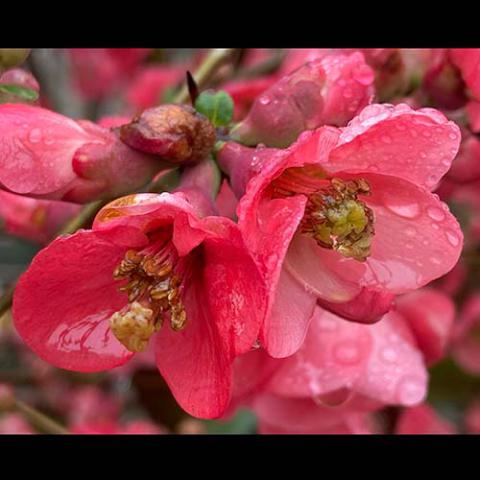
214, 59
39, 420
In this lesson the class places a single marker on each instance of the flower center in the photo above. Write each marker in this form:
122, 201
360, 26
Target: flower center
154, 289
334, 216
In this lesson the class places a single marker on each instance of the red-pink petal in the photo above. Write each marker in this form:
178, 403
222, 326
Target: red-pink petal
395, 372
37, 147
468, 61
430, 315
416, 239
284, 330
423, 420
417, 145
63, 303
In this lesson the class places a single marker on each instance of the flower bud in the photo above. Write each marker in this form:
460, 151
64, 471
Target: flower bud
326, 91
18, 86
12, 57
177, 133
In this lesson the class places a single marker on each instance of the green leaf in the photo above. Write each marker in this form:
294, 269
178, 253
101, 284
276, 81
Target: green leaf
216, 106
22, 92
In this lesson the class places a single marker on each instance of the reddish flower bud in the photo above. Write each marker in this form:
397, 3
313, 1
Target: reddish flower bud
177, 133
11, 57
327, 91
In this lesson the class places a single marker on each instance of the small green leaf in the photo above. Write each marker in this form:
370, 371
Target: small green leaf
22, 92
216, 106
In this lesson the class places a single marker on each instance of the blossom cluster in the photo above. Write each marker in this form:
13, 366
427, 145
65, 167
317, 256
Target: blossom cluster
288, 243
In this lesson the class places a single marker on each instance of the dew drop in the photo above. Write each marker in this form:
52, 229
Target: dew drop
406, 210
435, 213
410, 231
389, 354
410, 390
452, 237
35, 135
347, 353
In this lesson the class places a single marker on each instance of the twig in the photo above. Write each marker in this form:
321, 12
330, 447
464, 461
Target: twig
39, 419
214, 59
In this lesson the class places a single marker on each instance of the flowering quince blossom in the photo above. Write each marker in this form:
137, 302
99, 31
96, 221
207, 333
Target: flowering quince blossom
468, 61
96, 71
430, 314
345, 216
33, 219
342, 372
423, 420
14, 424
152, 265
135, 427
330, 90
148, 86
465, 346
472, 417
44, 154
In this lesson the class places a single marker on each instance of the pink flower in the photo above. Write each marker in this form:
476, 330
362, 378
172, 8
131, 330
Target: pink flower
135, 427
37, 220
14, 424
89, 404
45, 154
443, 82
472, 417
331, 90
466, 167
282, 415
97, 71
90, 300
465, 347
430, 315
473, 113
245, 92
341, 360
468, 61
344, 214
148, 86
423, 420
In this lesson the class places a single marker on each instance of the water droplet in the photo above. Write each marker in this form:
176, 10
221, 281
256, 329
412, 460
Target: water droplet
426, 133
410, 391
452, 237
389, 354
386, 139
435, 213
347, 352
410, 231
453, 136
264, 100
35, 135
406, 210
